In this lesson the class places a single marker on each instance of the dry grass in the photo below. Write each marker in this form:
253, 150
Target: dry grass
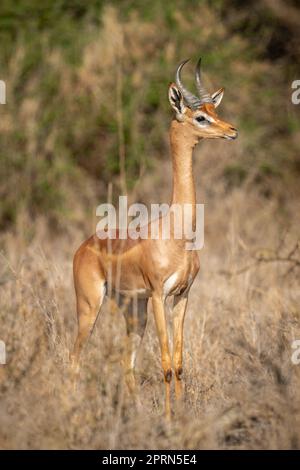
241, 387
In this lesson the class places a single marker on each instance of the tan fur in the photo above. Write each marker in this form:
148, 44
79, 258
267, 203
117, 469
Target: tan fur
140, 269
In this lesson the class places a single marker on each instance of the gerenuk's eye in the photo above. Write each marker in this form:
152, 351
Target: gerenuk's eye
201, 119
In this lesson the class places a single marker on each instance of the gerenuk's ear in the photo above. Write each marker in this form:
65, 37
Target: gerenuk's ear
176, 101
217, 97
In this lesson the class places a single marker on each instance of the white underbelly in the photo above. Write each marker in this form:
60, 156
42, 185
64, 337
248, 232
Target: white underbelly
173, 285
170, 284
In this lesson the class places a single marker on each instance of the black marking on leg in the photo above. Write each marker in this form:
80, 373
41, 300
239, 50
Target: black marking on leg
178, 373
168, 375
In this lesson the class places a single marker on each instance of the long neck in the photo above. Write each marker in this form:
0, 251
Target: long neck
182, 144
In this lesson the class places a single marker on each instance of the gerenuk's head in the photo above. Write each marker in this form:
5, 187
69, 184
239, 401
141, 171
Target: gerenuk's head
198, 113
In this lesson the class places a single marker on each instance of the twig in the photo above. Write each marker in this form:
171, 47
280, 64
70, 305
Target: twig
275, 259
120, 121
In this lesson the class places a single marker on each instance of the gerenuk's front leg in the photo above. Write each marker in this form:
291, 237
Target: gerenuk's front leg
179, 309
161, 325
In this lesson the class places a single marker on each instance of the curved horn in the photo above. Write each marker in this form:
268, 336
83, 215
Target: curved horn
203, 94
191, 100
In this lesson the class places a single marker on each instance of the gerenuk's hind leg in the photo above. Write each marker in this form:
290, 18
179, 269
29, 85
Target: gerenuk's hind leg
136, 319
90, 291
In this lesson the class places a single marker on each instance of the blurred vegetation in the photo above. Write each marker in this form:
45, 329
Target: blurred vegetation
87, 81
